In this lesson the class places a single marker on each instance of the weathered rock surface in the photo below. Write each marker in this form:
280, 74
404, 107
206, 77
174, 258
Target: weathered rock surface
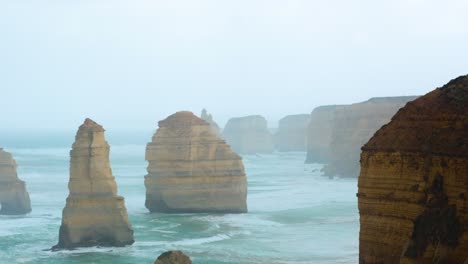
94, 214
192, 170
209, 118
173, 257
292, 133
413, 186
353, 126
249, 135
319, 134
14, 198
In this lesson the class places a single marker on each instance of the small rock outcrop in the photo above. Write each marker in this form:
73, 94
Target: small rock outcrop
191, 169
94, 215
173, 257
413, 186
14, 198
319, 134
292, 133
353, 126
249, 135
209, 118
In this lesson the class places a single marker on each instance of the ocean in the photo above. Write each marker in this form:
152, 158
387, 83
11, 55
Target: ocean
296, 216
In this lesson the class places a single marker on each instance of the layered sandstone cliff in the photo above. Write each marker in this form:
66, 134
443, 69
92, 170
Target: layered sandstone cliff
291, 135
94, 214
319, 134
249, 135
353, 126
209, 118
14, 198
413, 186
192, 170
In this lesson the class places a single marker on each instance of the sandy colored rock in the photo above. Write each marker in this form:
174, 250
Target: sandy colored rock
353, 126
94, 214
319, 134
413, 186
173, 257
249, 135
209, 118
292, 133
191, 169
14, 198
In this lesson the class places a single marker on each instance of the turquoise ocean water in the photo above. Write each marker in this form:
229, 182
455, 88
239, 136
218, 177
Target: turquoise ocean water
295, 215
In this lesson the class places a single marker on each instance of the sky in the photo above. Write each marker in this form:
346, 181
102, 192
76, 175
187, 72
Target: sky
128, 64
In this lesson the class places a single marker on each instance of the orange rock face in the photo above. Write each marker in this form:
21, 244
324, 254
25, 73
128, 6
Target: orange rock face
413, 186
353, 126
191, 169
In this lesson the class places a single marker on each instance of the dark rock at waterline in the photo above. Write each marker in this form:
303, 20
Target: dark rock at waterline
173, 257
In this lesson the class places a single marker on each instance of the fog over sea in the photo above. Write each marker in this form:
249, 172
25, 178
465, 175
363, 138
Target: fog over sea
295, 215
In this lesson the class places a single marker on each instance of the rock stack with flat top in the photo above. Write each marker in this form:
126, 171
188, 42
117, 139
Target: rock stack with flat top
191, 169
94, 214
292, 133
14, 198
413, 186
249, 135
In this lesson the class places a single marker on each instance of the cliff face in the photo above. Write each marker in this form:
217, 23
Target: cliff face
192, 170
209, 118
413, 186
14, 199
94, 214
353, 126
291, 135
249, 135
319, 134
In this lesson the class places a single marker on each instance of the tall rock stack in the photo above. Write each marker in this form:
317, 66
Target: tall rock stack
353, 126
319, 134
249, 135
192, 170
14, 199
209, 118
292, 133
413, 187
94, 214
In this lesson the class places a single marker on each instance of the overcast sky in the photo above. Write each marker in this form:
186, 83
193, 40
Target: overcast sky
128, 64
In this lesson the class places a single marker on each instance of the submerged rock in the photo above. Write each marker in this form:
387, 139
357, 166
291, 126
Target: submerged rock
413, 186
292, 133
249, 135
209, 118
94, 214
191, 169
353, 126
173, 257
14, 198
319, 134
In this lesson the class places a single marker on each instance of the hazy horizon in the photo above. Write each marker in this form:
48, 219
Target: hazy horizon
129, 64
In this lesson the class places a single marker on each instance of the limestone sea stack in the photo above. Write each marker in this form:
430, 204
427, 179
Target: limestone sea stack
413, 186
353, 126
292, 133
14, 198
249, 135
94, 214
319, 134
191, 169
209, 118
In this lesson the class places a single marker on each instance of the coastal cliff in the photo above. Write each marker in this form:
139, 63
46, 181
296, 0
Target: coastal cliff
292, 133
14, 198
413, 185
191, 169
353, 126
249, 135
94, 215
